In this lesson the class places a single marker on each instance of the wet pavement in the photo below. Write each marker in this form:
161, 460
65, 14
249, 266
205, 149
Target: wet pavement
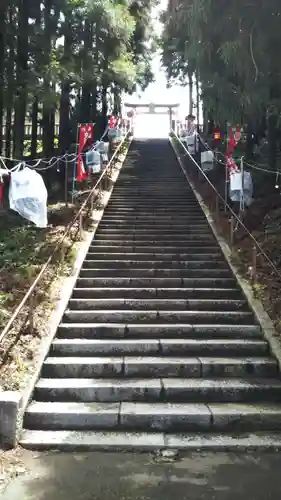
118, 476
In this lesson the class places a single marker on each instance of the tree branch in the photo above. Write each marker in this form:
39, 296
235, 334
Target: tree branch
252, 52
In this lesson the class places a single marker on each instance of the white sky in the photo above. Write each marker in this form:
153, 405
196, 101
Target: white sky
157, 92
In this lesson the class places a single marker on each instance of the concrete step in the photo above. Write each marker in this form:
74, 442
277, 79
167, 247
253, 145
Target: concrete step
154, 330
174, 227
155, 212
158, 366
160, 214
187, 246
156, 316
131, 247
153, 264
163, 232
156, 273
159, 282
191, 390
154, 256
167, 417
150, 205
159, 293
158, 347
164, 347
142, 441
185, 240
161, 219
158, 304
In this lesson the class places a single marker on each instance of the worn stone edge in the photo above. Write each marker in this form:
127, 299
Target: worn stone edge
256, 305
149, 442
68, 283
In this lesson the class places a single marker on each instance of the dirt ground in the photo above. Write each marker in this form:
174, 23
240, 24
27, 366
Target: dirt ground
263, 220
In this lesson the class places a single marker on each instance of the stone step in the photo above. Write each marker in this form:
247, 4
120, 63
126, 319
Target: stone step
158, 347
130, 247
158, 366
192, 390
149, 204
139, 246
153, 264
136, 226
66, 440
159, 331
155, 212
155, 316
148, 239
155, 273
159, 282
162, 219
167, 417
147, 256
141, 215
159, 304
164, 347
164, 232
159, 293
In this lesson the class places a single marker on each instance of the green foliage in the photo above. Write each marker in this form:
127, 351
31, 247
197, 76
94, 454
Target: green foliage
59, 58
233, 47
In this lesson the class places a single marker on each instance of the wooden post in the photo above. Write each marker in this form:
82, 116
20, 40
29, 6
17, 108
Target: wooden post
254, 265
232, 230
81, 226
92, 203
66, 182
217, 207
31, 313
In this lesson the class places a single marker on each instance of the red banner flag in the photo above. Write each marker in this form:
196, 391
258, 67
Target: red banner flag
232, 167
113, 121
86, 134
234, 137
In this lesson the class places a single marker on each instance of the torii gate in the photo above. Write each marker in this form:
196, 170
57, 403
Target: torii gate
151, 108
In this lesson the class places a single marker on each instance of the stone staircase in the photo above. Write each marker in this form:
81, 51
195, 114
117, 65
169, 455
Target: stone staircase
158, 347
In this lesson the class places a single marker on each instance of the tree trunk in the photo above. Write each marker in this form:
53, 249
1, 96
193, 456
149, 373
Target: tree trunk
211, 123
104, 106
34, 129
21, 80
64, 132
37, 67
10, 87
87, 61
2, 65
94, 102
272, 141
249, 141
190, 86
197, 102
117, 100
50, 22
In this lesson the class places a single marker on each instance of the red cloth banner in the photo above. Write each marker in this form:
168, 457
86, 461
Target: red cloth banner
113, 120
86, 134
232, 167
234, 135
